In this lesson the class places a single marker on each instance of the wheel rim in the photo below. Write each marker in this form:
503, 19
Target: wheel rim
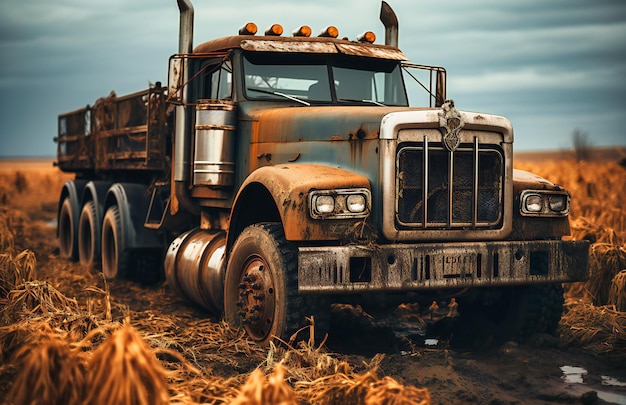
256, 298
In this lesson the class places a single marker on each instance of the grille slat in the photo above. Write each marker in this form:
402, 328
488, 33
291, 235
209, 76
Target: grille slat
438, 189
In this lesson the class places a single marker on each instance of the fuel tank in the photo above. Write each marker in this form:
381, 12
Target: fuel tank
194, 268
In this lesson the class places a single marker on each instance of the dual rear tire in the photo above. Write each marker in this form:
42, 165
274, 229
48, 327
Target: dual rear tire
103, 243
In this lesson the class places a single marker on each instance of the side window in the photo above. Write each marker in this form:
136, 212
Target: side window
221, 82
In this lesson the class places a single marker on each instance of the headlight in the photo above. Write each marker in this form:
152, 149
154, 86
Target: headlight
324, 204
558, 203
544, 203
356, 203
533, 203
339, 203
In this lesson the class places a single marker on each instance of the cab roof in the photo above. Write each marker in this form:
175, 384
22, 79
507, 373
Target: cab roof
315, 45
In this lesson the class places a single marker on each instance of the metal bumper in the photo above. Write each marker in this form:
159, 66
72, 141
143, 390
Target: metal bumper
404, 267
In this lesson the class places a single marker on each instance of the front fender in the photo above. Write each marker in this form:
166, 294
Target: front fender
288, 185
531, 228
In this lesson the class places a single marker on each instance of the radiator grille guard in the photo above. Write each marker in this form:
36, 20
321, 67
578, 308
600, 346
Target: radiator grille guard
439, 189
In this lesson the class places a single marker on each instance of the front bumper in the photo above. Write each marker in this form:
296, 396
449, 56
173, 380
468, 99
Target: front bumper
406, 267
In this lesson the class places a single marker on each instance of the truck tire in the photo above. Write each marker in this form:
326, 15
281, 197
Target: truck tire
538, 310
518, 313
115, 254
68, 242
261, 286
89, 236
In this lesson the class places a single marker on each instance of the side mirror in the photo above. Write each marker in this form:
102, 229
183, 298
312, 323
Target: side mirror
175, 79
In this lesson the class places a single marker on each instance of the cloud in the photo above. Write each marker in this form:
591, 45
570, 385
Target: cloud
546, 65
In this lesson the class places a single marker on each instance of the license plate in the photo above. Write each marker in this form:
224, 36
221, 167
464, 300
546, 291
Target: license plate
456, 266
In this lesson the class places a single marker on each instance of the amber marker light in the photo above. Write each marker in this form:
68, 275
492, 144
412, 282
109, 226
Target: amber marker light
367, 36
275, 30
330, 31
248, 29
303, 31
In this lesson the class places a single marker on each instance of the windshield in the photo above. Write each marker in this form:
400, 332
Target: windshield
308, 79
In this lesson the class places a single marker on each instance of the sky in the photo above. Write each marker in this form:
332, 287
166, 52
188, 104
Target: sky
551, 67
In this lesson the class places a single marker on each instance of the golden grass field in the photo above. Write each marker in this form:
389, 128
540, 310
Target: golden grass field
65, 339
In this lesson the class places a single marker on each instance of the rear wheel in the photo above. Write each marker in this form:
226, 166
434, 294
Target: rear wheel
261, 286
115, 254
89, 236
68, 246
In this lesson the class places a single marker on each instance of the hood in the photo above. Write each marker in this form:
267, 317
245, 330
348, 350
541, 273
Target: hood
323, 123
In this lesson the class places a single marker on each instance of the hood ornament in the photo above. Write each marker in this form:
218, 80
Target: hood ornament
450, 123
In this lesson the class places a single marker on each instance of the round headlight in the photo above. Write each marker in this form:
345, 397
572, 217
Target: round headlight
533, 203
558, 203
324, 204
356, 202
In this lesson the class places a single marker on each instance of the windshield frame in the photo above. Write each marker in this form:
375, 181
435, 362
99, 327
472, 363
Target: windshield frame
324, 70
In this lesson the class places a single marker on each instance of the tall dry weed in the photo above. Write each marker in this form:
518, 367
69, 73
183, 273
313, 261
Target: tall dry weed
617, 293
14, 270
261, 390
124, 371
50, 373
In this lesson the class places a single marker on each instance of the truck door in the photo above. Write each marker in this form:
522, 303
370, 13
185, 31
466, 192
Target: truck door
214, 132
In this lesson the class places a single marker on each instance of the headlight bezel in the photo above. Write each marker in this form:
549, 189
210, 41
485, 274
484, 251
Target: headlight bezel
341, 208
544, 203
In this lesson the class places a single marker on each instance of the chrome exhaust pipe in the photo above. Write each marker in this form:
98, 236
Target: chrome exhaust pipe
390, 21
182, 140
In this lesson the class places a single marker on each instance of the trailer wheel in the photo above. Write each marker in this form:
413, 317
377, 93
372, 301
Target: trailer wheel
261, 285
115, 254
89, 236
68, 245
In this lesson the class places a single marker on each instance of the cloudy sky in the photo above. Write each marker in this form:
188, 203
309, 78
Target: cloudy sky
551, 67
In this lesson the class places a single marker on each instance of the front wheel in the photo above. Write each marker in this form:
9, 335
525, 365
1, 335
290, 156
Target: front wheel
495, 315
261, 285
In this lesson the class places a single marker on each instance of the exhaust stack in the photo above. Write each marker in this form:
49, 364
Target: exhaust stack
390, 21
182, 141
185, 30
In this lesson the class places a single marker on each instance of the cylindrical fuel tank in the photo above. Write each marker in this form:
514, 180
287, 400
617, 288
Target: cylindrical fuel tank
214, 158
194, 267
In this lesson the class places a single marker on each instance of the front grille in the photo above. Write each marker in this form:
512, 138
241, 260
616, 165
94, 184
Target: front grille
439, 189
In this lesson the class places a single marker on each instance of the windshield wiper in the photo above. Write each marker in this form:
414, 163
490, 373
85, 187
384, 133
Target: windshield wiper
277, 93
362, 101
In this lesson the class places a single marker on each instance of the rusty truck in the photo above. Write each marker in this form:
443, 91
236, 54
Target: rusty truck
277, 173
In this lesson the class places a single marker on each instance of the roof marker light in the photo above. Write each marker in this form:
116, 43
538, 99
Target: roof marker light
367, 36
303, 31
248, 29
330, 31
275, 30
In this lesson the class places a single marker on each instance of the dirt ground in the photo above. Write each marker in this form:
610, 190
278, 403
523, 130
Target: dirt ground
506, 374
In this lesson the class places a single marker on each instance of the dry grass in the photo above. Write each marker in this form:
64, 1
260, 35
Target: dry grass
594, 316
124, 370
50, 373
600, 329
52, 339
617, 294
